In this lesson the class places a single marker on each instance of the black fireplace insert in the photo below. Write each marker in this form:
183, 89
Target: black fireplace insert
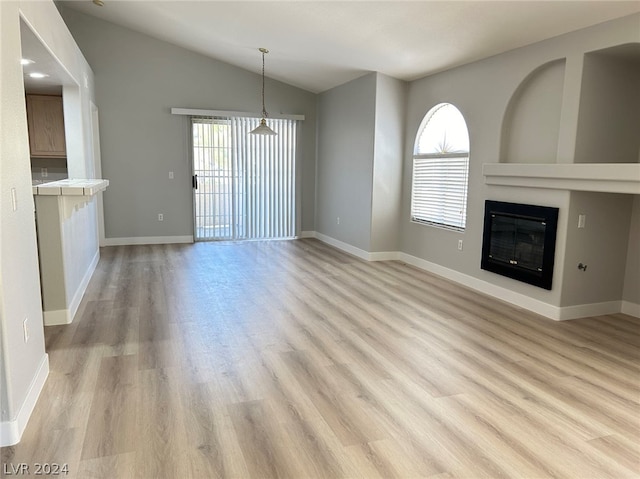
519, 241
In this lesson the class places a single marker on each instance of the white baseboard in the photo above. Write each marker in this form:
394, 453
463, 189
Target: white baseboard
82, 288
384, 256
520, 300
360, 253
65, 316
632, 309
586, 310
517, 299
57, 317
11, 431
346, 247
504, 294
307, 234
141, 240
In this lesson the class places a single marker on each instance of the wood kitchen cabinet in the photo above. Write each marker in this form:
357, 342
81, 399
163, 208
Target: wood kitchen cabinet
45, 118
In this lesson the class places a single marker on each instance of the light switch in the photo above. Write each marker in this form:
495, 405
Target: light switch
14, 200
171, 175
582, 220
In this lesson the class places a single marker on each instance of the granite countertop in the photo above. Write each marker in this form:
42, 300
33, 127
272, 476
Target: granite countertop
71, 187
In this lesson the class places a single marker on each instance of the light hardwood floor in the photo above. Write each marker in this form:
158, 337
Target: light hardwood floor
292, 359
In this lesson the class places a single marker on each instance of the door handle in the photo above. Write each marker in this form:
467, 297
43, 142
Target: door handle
194, 181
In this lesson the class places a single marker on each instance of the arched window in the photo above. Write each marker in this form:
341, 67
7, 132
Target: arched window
441, 169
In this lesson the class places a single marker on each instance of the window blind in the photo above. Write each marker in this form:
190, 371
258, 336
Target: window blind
269, 177
439, 190
252, 195
441, 169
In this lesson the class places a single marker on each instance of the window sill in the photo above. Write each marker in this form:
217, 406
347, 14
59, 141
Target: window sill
437, 225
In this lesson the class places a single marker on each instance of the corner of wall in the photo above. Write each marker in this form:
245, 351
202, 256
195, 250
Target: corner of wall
11, 430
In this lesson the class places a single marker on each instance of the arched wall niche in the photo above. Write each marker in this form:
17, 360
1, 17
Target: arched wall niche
531, 122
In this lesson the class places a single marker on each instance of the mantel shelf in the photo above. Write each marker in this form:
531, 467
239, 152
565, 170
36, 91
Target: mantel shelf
599, 177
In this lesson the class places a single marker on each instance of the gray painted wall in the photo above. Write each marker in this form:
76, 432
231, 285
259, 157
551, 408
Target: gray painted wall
609, 121
482, 91
138, 80
602, 245
24, 364
56, 169
360, 151
356, 140
387, 166
631, 291
535, 107
346, 129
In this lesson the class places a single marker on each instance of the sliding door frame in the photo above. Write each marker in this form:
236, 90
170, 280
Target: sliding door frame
239, 163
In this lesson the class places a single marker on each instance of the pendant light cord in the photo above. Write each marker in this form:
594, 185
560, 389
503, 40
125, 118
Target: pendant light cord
264, 110
263, 128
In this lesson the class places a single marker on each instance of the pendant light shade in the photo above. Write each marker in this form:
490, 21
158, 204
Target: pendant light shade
263, 129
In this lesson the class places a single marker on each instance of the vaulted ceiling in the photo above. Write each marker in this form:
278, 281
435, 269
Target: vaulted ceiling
318, 45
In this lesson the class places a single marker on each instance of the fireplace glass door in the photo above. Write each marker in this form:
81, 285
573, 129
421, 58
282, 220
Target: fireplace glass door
517, 241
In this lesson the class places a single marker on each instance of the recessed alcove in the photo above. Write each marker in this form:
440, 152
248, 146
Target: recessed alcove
599, 102
532, 118
609, 118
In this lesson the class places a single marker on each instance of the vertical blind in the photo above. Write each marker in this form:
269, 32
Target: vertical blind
246, 183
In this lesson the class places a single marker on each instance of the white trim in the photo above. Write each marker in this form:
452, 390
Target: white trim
632, 309
228, 113
360, 253
587, 310
347, 248
11, 431
97, 166
140, 240
602, 177
65, 316
504, 294
517, 299
485, 287
57, 317
82, 288
384, 256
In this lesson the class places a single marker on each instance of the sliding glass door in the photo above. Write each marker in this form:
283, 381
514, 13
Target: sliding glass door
243, 185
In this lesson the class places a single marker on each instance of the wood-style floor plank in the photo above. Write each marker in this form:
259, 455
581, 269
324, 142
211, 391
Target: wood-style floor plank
291, 359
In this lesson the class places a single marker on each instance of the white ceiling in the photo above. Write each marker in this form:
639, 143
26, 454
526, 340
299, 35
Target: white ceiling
318, 45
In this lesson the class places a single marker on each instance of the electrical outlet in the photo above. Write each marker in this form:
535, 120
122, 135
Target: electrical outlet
338, 220
160, 217
460, 243
44, 172
171, 175
25, 329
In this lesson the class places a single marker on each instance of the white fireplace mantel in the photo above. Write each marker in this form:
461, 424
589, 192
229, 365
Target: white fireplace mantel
598, 177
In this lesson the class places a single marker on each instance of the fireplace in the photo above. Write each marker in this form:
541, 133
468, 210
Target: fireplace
519, 241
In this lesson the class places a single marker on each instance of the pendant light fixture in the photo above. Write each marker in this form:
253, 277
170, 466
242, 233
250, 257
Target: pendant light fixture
263, 129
